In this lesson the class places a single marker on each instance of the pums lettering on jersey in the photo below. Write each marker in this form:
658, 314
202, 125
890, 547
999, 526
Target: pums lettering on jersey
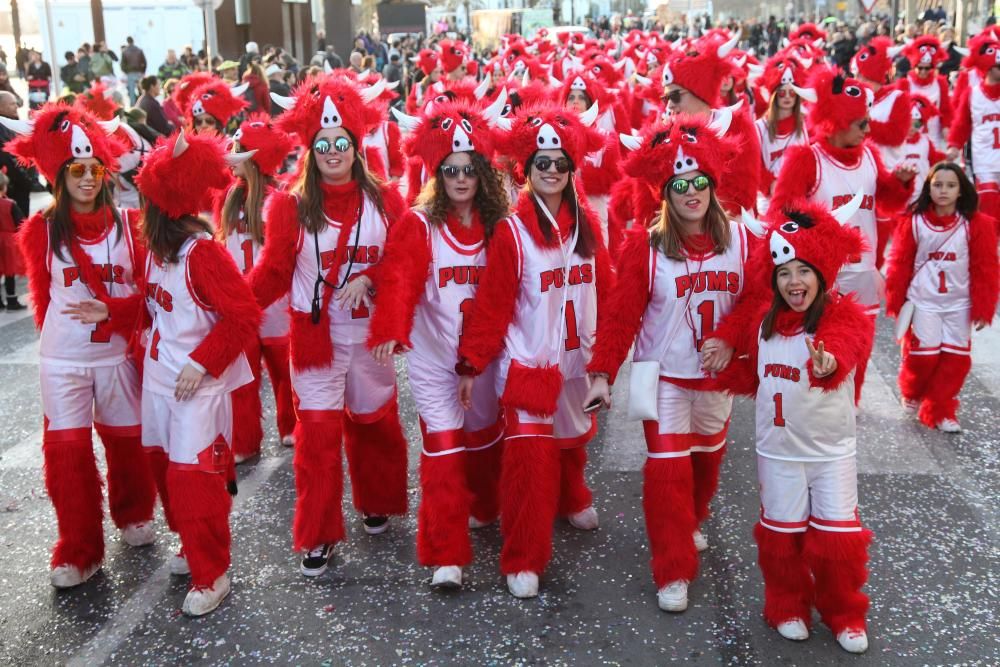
108, 273
782, 371
460, 275
941, 256
990, 118
579, 274
867, 202
160, 296
708, 281
363, 254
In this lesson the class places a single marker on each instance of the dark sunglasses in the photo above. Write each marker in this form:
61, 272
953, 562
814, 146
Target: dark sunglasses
924, 68
340, 144
681, 185
451, 171
204, 120
543, 163
78, 170
674, 96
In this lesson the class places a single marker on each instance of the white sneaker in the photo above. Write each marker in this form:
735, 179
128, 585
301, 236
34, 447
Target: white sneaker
178, 564
200, 601
584, 519
448, 576
853, 641
288, 441
794, 629
139, 534
523, 584
949, 426
476, 524
673, 596
68, 576
700, 541
910, 406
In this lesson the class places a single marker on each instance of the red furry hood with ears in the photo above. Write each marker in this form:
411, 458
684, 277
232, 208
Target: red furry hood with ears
60, 133
426, 60
805, 51
601, 69
533, 94
701, 69
187, 85
272, 145
781, 71
98, 100
452, 54
925, 50
840, 100
874, 59
329, 101
681, 144
922, 108
547, 127
594, 89
184, 184
809, 31
449, 128
215, 99
984, 52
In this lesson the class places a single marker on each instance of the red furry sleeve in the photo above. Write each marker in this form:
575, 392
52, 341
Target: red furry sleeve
846, 332
740, 376
945, 102
983, 270
217, 283
797, 178
405, 264
124, 313
891, 193
33, 241
395, 210
933, 154
619, 319
396, 164
493, 310
414, 169
899, 271
271, 278
961, 122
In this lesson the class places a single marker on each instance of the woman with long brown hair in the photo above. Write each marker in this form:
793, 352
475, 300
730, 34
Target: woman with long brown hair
784, 123
434, 257
324, 247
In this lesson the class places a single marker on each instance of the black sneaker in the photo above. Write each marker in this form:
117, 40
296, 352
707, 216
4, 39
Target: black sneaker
14, 304
375, 525
315, 561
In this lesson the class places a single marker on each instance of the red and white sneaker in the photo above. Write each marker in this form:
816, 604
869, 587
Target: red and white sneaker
853, 640
200, 601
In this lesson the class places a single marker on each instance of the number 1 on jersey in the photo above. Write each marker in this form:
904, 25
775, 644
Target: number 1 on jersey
706, 311
779, 420
247, 248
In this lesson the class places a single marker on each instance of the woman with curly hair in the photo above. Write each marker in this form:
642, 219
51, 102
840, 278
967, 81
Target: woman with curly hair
433, 260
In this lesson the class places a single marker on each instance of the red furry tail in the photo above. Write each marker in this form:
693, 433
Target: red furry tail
276, 358
838, 562
941, 399
131, 490
74, 487
376, 454
787, 582
482, 470
443, 517
574, 496
529, 483
201, 507
668, 504
319, 480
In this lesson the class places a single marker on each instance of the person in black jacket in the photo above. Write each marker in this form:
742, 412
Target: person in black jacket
155, 117
21, 179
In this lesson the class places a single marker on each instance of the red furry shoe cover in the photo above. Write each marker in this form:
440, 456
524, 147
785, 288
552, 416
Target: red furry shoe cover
443, 517
787, 581
668, 504
131, 490
376, 454
319, 481
74, 487
529, 488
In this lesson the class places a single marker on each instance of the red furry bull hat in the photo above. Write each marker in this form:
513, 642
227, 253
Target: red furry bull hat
98, 100
809, 31
546, 127
922, 109
595, 90
811, 233
217, 100
808, 52
837, 101
453, 54
182, 172
188, 84
57, 134
451, 128
925, 50
874, 60
983, 52
272, 146
781, 71
678, 145
329, 101
701, 69
426, 60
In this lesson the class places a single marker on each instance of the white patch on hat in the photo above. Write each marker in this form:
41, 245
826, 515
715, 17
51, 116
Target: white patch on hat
668, 76
781, 250
198, 109
684, 164
80, 143
331, 115
460, 141
547, 138
578, 84
787, 77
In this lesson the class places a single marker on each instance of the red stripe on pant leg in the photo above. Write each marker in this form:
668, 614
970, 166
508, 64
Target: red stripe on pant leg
839, 565
158, 462
482, 470
529, 488
574, 496
74, 487
862, 368
668, 505
915, 371
131, 490
787, 581
441, 441
666, 443
276, 359
944, 387
443, 516
376, 454
201, 507
319, 482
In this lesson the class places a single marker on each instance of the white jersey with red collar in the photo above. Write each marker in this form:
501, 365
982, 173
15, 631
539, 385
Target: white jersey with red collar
687, 300
180, 323
796, 422
555, 316
245, 250
940, 280
836, 184
985, 131
364, 247
70, 343
773, 150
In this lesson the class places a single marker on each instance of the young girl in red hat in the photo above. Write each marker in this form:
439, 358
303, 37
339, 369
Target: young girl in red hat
535, 310
78, 249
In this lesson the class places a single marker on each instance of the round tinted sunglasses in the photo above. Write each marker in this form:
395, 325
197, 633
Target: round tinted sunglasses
78, 170
451, 171
340, 144
681, 185
543, 163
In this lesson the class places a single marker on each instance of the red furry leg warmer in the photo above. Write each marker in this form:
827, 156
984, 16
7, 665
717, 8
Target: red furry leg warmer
788, 585
158, 462
443, 517
74, 487
574, 496
376, 454
319, 480
482, 470
131, 490
989, 203
668, 504
276, 359
915, 371
529, 497
862, 368
839, 565
248, 432
941, 399
705, 467
201, 507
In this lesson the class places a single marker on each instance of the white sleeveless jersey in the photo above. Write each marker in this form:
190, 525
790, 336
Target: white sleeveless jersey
772, 151
687, 300
836, 185
915, 154
71, 343
544, 332
985, 132
245, 251
941, 266
448, 293
796, 422
180, 323
364, 246
933, 93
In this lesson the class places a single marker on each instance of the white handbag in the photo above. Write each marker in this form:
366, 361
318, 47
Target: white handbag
643, 389
903, 320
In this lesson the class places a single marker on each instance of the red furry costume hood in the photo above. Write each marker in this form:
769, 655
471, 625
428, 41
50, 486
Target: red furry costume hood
99, 101
450, 128
328, 101
187, 85
426, 60
453, 54
548, 127
925, 50
215, 99
873, 61
701, 69
780, 72
837, 101
258, 133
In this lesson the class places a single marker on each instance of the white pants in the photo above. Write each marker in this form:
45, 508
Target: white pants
949, 332
197, 432
77, 396
569, 425
688, 420
354, 381
795, 495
